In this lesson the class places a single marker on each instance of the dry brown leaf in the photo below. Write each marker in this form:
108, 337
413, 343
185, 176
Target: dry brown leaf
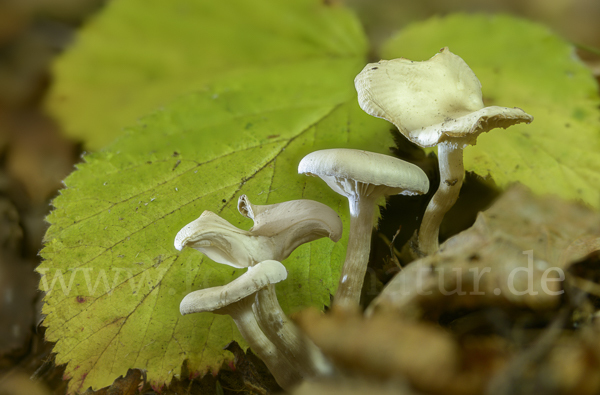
559, 362
384, 347
38, 157
402, 355
20, 384
252, 371
246, 375
573, 366
514, 255
355, 386
128, 385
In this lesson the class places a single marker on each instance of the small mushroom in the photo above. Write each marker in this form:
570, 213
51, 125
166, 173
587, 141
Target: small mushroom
279, 229
235, 299
292, 223
363, 177
434, 102
307, 220
224, 243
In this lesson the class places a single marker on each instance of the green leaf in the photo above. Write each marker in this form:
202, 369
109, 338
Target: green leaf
140, 54
522, 64
272, 82
120, 211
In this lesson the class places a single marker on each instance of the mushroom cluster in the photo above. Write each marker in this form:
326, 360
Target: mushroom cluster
364, 178
251, 299
435, 102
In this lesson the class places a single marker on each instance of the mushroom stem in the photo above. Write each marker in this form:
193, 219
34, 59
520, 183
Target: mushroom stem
235, 299
302, 353
362, 212
241, 312
452, 173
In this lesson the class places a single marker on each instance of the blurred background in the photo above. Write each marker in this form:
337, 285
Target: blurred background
34, 157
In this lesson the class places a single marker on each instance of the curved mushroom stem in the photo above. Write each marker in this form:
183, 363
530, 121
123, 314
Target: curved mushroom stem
452, 173
285, 374
302, 353
362, 212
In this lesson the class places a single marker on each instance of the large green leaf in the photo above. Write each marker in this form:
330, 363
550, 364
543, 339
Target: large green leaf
140, 54
521, 64
119, 213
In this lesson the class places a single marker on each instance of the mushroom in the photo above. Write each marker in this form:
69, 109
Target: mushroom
363, 177
292, 223
279, 229
304, 221
224, 243
235, 299
434, 102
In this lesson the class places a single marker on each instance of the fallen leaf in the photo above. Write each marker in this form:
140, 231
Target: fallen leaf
516, 254
255, 375
384, 347
353, 386
128, 385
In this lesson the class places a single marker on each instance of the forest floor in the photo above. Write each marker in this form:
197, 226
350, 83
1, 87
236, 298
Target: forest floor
35, 158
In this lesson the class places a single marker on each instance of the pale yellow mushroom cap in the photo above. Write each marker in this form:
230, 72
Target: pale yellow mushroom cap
431, 101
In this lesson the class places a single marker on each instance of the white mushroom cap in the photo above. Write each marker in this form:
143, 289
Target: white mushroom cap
431, 101
354, 173
213, 299
221, 241
303, 220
